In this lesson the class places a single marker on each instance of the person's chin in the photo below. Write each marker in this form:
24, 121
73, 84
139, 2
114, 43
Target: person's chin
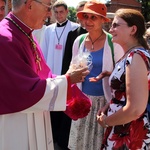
114, 39
1, 18
40, 26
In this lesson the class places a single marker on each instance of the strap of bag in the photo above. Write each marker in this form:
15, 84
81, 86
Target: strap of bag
81, 39
111, 47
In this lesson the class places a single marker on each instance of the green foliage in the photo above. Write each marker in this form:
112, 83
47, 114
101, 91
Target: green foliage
72, 14
145, 9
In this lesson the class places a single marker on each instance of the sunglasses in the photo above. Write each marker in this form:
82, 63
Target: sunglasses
115, 25
92, 17
49, 7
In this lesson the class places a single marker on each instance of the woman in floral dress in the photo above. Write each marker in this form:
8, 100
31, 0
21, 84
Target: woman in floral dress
126, 122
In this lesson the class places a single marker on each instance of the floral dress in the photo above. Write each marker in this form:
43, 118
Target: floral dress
133, 135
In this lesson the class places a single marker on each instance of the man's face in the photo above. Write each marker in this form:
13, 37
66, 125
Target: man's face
40, 12
2, 9
60, 14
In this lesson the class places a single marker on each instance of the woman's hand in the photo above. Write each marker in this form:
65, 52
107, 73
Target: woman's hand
101, 115
100, 76
103, 110
101, 120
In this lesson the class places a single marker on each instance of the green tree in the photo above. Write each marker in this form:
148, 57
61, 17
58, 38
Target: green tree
72, 14
145, 9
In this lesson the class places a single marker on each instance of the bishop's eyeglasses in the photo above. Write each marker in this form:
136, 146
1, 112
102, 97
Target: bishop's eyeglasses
49, 7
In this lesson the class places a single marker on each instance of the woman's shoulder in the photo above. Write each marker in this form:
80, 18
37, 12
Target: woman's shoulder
141, 51
145, 54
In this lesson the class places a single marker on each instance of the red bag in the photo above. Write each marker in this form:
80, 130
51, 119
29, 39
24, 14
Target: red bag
78, 104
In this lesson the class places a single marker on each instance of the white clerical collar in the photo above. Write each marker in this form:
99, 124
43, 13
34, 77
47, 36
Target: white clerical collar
62, 23
22, 22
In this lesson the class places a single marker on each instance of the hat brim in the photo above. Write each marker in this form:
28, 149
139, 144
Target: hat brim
80, 15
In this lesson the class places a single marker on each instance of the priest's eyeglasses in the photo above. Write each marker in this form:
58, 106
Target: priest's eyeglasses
49, 7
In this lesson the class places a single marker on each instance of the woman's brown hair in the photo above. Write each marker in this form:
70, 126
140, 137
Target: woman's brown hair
134, 17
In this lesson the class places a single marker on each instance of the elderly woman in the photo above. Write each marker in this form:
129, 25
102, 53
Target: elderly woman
85, 133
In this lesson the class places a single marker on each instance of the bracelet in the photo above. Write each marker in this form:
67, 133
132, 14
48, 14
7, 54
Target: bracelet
105, 125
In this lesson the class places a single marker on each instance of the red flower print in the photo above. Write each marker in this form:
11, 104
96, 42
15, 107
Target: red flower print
130, 136
119, 95
121, 136
138, 133
107, 132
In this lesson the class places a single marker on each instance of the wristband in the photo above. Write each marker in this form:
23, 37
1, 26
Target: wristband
105, 125
104, 122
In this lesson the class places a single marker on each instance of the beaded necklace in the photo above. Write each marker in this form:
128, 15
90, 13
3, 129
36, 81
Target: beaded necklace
37, 58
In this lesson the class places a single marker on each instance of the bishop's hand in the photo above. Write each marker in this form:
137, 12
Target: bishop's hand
77, 75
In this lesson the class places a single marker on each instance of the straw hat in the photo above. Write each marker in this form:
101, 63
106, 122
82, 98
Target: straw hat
94, 7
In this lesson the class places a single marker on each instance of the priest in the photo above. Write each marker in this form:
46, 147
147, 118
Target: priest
28, 89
